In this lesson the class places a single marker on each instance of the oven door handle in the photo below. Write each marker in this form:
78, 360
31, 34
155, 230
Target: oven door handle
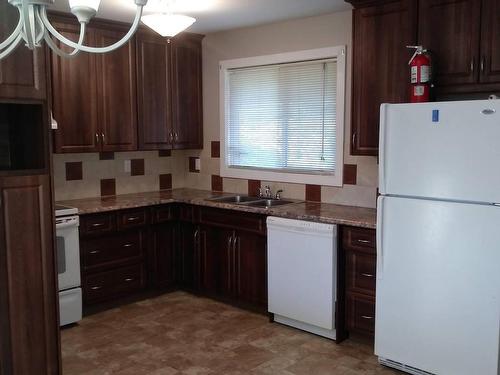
73, 222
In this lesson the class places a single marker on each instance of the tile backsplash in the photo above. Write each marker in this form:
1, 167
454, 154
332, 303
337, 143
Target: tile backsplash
102, 174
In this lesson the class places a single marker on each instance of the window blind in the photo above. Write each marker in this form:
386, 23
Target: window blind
282, 117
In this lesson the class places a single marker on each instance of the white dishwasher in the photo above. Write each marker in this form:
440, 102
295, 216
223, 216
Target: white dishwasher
302, 269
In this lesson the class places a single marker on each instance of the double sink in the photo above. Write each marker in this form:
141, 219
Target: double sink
252, 201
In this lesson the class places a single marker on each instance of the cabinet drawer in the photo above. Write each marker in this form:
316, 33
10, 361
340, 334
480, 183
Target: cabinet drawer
112, 249
361, 313
132, 218
186, 213
361, 272
97, 224
107, 285
233, 219
162, 214
361, 239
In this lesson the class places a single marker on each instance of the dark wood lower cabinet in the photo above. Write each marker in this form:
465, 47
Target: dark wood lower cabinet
162, 256
29, 326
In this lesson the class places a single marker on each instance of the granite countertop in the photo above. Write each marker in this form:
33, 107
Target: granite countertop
311, 211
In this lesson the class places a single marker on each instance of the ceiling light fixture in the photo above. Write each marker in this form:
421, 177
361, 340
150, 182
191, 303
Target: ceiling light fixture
168, 24
34, 27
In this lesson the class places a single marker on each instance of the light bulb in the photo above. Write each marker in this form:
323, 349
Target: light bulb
168, 25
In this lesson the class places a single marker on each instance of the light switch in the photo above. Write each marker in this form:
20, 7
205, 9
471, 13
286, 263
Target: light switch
127, 166
197, 164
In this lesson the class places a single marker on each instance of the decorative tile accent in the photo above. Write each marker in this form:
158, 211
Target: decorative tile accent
253, 187
217, 183
137, 167
215, 145
164, 153
108, 187
107, 155
350, 174
192, 164
74, 171
313, 193
166, 181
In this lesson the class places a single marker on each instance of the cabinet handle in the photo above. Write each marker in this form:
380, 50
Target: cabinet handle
367, 275
229, 256
176, 136
129, 279
96, 287
93, 252
364, 241
171, 135
354, 140
472, 65
482, 64
128, 245
103, 137
97, 137
238, 262
133, 218
366, 317
97, 225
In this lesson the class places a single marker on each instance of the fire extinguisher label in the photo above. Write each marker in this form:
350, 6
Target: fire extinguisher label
419, 90
414, 74
425, 74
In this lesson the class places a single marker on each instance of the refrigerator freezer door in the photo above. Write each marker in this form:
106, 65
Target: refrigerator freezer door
447, 150
438, 286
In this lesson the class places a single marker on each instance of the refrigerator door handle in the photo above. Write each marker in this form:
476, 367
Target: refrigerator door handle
381, 148
379, 235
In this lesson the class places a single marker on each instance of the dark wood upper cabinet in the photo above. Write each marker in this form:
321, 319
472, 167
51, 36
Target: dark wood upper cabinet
153, 92
116, 92
169, 100
74, 93
187, 92
29, 327
450, 30
490, 42
22, 74
380, 65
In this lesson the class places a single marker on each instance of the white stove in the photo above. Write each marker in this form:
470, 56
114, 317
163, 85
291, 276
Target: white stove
68, 264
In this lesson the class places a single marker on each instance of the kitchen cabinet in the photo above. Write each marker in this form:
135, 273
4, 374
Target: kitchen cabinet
205, 261
490, 40
113, 248
23, 73
170, 108
161, 258
380, 65
359, 254
187, 107
29, 326
94, 96
451, 31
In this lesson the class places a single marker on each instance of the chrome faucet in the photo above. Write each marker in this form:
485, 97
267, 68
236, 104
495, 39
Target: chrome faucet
278, 194
267, 192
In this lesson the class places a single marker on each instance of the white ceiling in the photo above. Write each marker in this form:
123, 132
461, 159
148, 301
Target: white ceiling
218, 15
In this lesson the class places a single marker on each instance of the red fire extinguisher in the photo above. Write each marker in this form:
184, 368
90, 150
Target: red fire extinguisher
420, 75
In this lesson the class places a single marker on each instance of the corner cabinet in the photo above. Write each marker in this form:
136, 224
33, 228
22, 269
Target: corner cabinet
382, 30
94, 95
169, 100
23, 73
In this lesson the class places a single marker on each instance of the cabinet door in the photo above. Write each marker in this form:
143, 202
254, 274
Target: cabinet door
116, 93
153, 93
74, 93
22, 74
227, 257
187, 93
29, 327
162, 260
450, 30
380, 67
184, 257
251, 268
490, 40
206, 260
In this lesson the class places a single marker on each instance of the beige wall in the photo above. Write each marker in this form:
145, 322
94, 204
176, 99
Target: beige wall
307, 33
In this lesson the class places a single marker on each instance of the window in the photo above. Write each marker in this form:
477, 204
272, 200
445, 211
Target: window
282, 117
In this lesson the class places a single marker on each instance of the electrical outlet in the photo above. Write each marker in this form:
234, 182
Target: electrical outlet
128, 168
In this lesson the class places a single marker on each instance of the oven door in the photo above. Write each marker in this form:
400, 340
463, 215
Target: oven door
68, 252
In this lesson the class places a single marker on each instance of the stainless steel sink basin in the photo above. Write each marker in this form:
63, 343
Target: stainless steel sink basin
267, 203
235, 199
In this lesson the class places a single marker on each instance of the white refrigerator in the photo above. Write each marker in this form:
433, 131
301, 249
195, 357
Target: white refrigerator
438, 238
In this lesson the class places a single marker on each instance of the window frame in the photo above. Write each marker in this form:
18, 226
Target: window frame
336, 52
